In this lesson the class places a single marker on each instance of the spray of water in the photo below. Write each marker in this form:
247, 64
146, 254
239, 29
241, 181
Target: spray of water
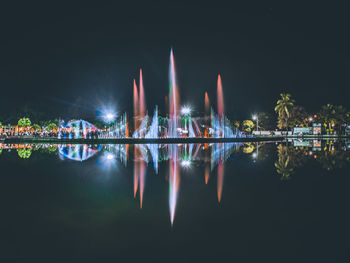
136, 105
220, 98
174, 98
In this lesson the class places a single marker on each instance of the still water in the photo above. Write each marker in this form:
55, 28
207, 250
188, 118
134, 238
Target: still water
175, 203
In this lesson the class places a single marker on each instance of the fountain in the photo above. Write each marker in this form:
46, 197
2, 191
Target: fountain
136, 105
154, 128
173, 99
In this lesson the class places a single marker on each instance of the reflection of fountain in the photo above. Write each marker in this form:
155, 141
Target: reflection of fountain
174, 180
140, 161
78, 152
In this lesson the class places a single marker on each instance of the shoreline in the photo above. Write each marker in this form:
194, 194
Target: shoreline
141, 140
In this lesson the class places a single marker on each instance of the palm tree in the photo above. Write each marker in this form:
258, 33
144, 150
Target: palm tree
283, 109
24, 122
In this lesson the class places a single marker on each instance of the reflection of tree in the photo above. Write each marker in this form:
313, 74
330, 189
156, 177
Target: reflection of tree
248, 147
50, 149
265, 150
24, 153
288, 159
331, 160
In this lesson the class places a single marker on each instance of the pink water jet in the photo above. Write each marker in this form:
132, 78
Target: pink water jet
220, 98
142, 100
174, 184
136, 105
220, 182
206, 104
173, 98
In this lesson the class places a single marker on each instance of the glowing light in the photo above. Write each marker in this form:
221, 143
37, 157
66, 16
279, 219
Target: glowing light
110, 116
255, 117
186, 110
254, 155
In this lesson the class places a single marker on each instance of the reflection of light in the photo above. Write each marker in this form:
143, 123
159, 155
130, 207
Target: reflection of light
109, 156
186, 110
108, 160
186, 163
254, 155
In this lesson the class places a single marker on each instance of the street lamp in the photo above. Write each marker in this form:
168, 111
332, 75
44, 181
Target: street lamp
255, 117
186, 110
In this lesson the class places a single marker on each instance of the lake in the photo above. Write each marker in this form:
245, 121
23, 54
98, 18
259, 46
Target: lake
244, 202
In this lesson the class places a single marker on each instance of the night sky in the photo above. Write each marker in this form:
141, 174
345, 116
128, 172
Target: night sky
69, 59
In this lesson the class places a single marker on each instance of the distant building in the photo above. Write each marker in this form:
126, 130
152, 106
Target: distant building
302, 130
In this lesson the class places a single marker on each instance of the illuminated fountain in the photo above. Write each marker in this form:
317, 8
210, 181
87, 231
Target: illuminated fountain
120, 128
140, 129
79, 128
219, 122
173, 100
136, 105
154, 128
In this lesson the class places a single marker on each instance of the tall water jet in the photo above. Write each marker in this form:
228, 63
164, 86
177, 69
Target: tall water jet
220, 98
206, 104
142, 100
220, 105
153, 129
136, 105
206, 114
173, 98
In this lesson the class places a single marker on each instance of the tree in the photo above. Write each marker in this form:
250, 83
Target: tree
51, 126
298, 117
265, 121
333, 117
248, 125
24, 122
283, 108
36, 127
237, 124
0, 123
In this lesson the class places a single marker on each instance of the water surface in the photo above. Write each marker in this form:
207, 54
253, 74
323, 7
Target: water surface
175, 203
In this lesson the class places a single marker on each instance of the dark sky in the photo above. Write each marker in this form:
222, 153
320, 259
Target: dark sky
71, 58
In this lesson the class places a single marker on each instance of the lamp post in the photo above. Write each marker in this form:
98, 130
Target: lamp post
186, 112
255, 117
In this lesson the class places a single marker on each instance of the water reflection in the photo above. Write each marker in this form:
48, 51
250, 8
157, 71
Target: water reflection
181, 157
